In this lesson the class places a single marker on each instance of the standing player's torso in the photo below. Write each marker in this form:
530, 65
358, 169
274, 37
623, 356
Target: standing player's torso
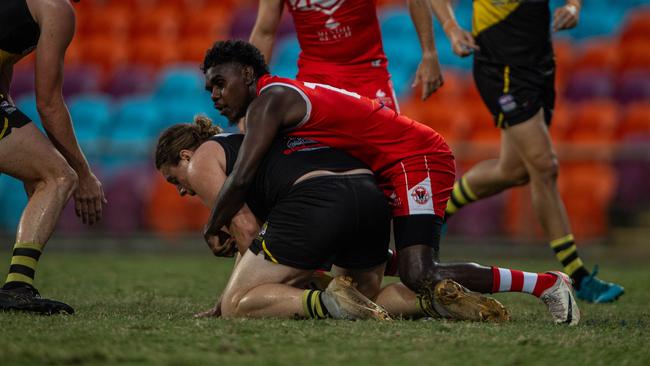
514, 32
344, 32
19, 32
366, 129
288, 159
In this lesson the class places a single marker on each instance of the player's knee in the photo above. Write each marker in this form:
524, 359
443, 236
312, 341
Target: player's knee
546, 167
229, 305
66, 180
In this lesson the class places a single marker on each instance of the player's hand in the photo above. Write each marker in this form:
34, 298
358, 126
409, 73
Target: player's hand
429, 75
221, 244
215, 311
462, 41
565, 17
89, 198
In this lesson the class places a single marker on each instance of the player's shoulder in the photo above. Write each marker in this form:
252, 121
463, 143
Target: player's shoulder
56, 8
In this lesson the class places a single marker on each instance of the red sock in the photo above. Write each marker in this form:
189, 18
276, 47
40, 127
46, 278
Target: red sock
510, 280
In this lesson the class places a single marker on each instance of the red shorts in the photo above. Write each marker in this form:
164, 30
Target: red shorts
373, 85
420, 185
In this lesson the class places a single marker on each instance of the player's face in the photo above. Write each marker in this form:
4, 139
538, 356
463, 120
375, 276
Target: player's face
177, 176
229, 85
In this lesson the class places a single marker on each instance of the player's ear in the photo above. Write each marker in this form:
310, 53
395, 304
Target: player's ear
186, 154
248, 74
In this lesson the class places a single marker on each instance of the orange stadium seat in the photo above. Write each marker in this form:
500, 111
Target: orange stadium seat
483, 127
212, 23
636, 120
105, 51
564, 57
634, 56
637, 28
597, 54
448, 117
114, 21
154, 51
595, 121
587, 190
194, 49
561, 122
161, 22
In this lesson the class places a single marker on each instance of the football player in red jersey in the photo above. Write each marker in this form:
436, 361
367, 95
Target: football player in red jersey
413, 164
341, 45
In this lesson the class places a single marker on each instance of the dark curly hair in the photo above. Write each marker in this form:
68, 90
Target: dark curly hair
235, 51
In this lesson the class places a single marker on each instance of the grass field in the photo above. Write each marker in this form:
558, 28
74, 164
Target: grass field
137, 309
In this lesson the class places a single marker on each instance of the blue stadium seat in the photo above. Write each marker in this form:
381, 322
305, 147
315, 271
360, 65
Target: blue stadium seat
91, 115
179, 81
12, 202
285, 58
27, 104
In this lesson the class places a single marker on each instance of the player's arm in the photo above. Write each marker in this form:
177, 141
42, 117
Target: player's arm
428, 73
206, 179
269, 14
462, 41
57, 23
567, 16
276, 108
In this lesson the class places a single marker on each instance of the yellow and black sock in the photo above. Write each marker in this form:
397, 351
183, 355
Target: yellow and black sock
567, 253
23, 265
425, 304
461, 195
313, 305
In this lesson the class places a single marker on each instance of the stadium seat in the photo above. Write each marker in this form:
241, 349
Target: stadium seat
12, 203
211, 22
633, 171
162, 23
637, 26
22, 83
154, 52
598, 54
636, 120
595, 121
242, 22
285, 58
561, 122
111, 21
91, 115
194, 49
107, 52
177, 82
633, 86
129, 80
634, 56
587, 85
447, 117
81, 79
128, 191
27, 105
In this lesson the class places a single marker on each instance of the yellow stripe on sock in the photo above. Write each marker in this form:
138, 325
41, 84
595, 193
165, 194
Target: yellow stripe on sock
451, 208
318, 306
266, 250
562, 240
458, 194
25, 261
305, 307
35, 246
468, 190
573, 266
19, 277
565, 253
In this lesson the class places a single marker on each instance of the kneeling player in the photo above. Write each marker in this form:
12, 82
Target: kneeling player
319, 205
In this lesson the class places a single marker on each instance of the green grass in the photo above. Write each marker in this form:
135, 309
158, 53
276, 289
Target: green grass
137, 309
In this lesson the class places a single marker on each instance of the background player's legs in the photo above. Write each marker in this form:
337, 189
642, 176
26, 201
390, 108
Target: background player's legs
28, 155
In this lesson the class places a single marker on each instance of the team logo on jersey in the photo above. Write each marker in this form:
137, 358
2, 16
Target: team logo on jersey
294, 144
333, 29
507, 103
420, 195
394, 200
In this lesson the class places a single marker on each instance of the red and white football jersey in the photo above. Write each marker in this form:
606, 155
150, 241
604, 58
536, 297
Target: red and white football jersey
366, 129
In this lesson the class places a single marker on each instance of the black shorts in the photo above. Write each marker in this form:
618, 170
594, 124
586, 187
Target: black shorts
338, 219
514, 94
10, 117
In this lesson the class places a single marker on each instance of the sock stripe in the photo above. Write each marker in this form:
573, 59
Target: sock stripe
569, 259
505, 280
573, 266
455, 201
517, 280
306, 303
464, 187
458, 193
562, 255
27, 252
562, 247
19, 277
562, 240
25, 261
496, 279
530, 280
320, 309
24, 270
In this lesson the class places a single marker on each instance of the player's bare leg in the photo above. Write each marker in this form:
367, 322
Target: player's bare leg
259, 288
528, 145
28, 155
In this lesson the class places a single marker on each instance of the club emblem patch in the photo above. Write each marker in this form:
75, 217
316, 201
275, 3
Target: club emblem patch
507, 103
420, 195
